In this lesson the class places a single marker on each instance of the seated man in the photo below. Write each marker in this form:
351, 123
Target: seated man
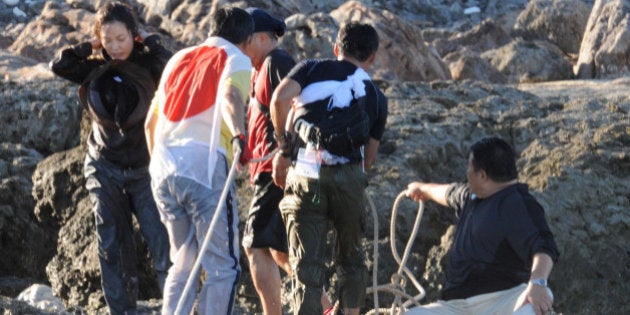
503, 250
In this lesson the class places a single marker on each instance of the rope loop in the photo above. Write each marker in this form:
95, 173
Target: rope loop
399, 280
402, 301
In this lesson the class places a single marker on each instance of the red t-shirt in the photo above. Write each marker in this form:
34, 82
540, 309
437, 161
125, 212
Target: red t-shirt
260, 129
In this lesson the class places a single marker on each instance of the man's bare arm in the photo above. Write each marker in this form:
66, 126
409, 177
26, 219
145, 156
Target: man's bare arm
234, 110
281, 103
428, 191
371, 150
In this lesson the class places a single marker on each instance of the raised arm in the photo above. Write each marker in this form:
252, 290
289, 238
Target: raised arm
72, 62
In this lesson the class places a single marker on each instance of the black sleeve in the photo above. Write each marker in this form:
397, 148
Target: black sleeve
299, 73
73, 63
377, 111
526, 228
158, 53
279, 67
457, 196
543, 242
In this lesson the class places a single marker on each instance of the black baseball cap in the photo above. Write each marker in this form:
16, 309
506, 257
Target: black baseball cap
263, 22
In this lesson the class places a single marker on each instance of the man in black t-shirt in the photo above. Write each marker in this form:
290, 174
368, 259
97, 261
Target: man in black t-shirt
326, 178
503, 250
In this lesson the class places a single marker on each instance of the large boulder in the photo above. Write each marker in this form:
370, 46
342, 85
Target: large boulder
577, 151
530, 61
468, 65
402, 55
461, 52
17, 68
487, 35
41, 115
310, 36
562, 22
605, 49
26, 245
57, 25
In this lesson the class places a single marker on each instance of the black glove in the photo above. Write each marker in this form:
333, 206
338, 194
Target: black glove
290, 145
238, 148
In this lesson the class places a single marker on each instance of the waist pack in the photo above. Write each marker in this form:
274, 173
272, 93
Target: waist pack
340, 131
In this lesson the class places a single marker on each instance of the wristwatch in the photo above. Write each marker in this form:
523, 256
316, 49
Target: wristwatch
539, 281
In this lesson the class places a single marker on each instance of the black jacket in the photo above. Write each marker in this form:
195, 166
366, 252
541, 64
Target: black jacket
117, 133
74, 63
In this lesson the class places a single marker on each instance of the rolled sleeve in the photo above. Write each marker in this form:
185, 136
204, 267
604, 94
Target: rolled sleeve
457, 196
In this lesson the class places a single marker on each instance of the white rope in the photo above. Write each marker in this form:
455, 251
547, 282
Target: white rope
375, 251
266, 157
194, 275
398, 280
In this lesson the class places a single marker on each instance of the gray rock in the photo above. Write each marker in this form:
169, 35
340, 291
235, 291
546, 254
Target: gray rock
530, 61
26, 244
485, 36
560, 21
41, 296
563, 150
6, 14
44, 115
402, 56
466, 65
572, 138
605, 49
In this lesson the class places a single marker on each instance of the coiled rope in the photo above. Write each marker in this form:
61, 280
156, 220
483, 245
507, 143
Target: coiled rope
402, 300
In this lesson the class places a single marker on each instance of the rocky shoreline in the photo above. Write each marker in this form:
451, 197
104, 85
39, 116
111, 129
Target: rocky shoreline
451, 78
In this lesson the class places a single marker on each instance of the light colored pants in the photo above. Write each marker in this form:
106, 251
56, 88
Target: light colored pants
496, 303
188, 208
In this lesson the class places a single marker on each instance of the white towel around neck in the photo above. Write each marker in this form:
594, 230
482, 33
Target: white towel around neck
340, 92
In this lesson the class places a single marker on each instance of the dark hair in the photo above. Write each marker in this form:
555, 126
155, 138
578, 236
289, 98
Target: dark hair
116, 11
232, 24
357, 40
496, 157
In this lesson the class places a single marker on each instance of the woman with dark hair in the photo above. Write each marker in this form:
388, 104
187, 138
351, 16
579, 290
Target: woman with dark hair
116, 89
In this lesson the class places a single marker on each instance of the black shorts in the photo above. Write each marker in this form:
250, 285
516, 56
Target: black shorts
264, 227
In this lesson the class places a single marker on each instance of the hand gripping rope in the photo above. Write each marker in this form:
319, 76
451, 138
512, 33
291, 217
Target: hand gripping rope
398, 280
